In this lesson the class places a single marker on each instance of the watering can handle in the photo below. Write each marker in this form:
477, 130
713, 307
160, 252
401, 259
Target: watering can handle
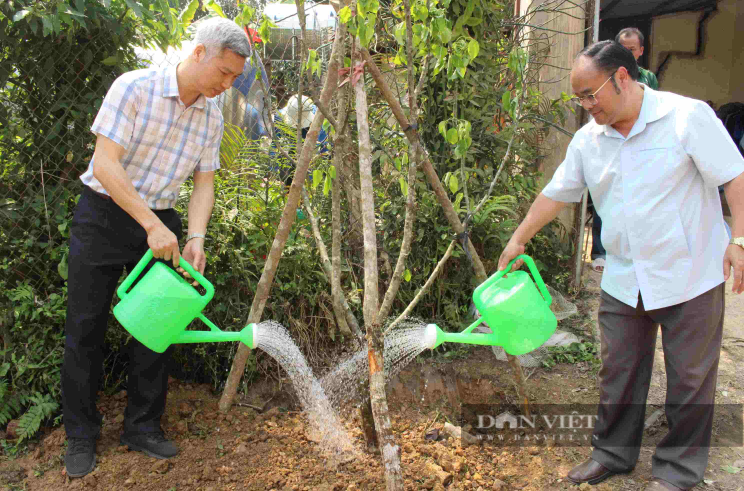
535, 274
142, 264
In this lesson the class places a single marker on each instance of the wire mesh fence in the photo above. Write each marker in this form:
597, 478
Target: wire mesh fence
49, 98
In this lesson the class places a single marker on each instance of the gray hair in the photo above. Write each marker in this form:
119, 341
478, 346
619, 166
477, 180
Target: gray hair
218, 33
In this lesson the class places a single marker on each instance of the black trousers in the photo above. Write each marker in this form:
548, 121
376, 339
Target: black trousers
691, 337
104, 240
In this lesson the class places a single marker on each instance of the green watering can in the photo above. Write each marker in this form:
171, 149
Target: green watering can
162, 304
519, 318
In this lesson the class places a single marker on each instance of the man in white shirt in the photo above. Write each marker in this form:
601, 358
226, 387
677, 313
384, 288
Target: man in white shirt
652, 162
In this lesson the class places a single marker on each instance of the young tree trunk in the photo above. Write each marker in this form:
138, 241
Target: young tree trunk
341, 309
389, 448
285, 225
444, 201
405, 247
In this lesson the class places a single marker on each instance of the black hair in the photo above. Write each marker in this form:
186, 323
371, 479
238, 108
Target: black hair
630, 31
608, 56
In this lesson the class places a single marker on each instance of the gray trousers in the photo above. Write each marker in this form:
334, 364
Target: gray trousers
691, 337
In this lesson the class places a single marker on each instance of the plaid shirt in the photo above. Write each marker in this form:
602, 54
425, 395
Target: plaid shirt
165, 141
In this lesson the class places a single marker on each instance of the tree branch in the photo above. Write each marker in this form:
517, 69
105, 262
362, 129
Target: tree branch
424, 289
285, 224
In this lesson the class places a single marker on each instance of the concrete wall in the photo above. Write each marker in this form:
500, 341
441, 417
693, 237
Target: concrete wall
554, 79
717, 73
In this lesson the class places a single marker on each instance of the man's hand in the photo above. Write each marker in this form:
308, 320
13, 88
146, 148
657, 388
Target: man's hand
734, 258
164, 244
193, 252
512, 250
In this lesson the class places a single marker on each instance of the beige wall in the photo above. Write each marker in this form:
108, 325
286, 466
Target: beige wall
737, 69
716, 74
554, 80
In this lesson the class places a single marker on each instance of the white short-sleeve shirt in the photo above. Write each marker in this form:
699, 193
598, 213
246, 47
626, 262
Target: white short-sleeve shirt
656, 192
165, 141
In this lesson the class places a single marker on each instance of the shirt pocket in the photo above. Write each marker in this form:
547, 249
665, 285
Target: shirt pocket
660, 161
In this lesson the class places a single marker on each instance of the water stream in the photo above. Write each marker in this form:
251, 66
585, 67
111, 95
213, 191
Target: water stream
325, 424
323, 399
347, 381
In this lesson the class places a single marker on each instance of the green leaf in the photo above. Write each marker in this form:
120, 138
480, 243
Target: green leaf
473, 48
136, 7
344, 14
506, 101
452, 136
327, 185
362, 31
264, 30
731, 469
443, 128
213, 6
370, 31
187, 14
70, 11
62, 267
20, 15
48, 25
445, 34
317, 177
332, 171
111, 60
454, 184
400, 33
421, 13
407, 275
4, 369
403, 186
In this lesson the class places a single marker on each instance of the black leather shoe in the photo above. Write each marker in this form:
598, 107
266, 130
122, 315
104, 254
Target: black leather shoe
153, 444
80, 458
591, 472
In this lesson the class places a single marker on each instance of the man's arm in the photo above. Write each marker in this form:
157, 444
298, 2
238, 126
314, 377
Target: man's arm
107, 169
734, 256
200, 210
542, 211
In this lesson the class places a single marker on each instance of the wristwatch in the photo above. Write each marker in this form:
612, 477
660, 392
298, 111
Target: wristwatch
738, 241
202, 236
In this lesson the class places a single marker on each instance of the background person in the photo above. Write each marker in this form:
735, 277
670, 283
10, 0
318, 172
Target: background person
652, 162
632, 38
155, 128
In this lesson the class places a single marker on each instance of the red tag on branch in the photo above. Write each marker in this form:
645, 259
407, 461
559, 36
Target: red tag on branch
342, 72
358, 72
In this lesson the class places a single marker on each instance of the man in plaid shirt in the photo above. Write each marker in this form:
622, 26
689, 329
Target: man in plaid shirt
155, 128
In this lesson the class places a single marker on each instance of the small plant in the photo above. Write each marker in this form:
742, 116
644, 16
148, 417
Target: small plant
573, 353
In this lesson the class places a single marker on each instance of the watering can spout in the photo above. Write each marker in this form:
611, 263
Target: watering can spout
433, 336
249, 335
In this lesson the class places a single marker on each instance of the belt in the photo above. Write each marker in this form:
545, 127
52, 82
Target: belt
107, 197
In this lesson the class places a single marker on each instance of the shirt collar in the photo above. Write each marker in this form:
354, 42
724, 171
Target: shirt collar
170, 87
653, 108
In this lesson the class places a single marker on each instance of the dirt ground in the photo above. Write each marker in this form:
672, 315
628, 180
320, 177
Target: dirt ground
252, 450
